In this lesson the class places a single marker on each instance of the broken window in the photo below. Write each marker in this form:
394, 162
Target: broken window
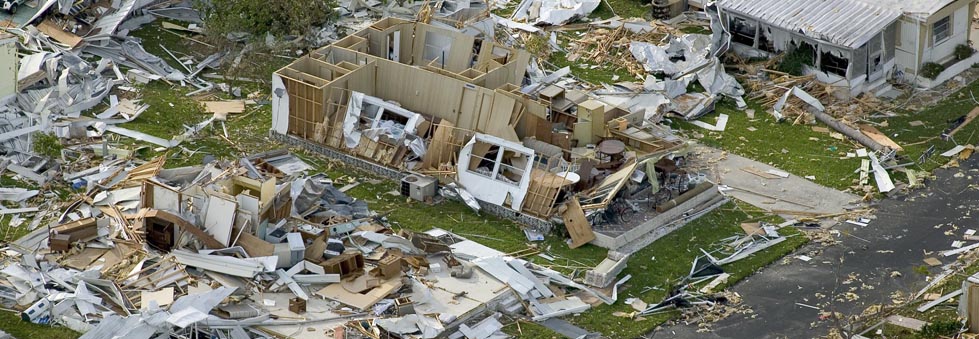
942, 29
765, 42
511, 168
499, 163
743, 31
875, 55
831, 63
437, 47
483, 163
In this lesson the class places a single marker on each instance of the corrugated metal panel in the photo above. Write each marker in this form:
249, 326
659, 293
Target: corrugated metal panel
847, 23
912, 7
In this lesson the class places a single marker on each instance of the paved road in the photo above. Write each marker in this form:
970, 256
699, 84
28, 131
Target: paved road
905, 228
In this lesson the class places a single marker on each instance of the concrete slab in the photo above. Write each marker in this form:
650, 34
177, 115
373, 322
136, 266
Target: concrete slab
793, 193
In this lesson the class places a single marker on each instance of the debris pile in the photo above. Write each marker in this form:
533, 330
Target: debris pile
607, 42
246, 248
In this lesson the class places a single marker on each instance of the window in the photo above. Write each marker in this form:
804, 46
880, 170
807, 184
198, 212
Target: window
831, 63
496, 162
743, 31
942, 29
764, 42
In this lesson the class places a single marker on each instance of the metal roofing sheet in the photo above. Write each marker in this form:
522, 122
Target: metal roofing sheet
912, 7
848, 23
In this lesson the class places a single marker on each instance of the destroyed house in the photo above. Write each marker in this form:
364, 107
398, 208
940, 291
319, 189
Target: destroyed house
858, 44
404, 97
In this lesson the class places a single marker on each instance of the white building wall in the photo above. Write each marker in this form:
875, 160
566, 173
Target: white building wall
944, 50
8, 68
904, 54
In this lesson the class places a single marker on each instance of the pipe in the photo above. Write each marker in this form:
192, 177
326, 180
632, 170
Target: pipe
684, 197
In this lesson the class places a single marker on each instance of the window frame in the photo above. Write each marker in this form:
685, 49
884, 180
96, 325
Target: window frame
947, 24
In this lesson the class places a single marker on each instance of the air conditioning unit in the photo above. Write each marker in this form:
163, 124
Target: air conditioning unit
419, 187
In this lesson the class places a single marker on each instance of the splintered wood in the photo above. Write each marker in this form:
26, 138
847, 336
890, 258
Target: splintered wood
603, 45
767, 87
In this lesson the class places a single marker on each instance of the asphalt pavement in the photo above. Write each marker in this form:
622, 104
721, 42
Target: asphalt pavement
863, 269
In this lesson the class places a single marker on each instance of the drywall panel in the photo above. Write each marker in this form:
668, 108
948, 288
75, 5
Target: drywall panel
220, 218
166, 199
249, 204
450, 50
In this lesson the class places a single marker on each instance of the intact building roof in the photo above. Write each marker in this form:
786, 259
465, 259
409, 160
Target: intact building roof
848, 23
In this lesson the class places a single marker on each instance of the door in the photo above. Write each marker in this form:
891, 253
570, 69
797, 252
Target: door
394, 46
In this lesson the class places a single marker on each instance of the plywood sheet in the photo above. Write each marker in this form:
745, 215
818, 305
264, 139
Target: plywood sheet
82, 260
361, 301
254, 246
162, 297
752, 228
441, 148
878, 136
578, 226
52, 30
224, 107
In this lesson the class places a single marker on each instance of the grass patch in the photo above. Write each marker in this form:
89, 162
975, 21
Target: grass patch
171, 111
12, 324
807, 153
623, 8
601, 74
917, 139
668, 259
527, 329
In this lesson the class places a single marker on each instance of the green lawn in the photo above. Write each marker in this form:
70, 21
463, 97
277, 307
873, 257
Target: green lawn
667, 260
917, 139
793, 148
602, 74
623, 8
11, 323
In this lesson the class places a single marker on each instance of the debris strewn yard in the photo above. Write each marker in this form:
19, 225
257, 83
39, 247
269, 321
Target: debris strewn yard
485, 169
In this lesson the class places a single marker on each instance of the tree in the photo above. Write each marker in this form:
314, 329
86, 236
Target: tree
258, 17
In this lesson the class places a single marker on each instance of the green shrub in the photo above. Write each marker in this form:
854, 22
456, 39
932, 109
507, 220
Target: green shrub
258, 17
794, 61
939, 329
931, 70
963, 52
47, 144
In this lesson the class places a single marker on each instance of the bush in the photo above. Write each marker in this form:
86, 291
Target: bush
794, 61
939, 329
258, 17
931, 70
963, 52
47, 144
